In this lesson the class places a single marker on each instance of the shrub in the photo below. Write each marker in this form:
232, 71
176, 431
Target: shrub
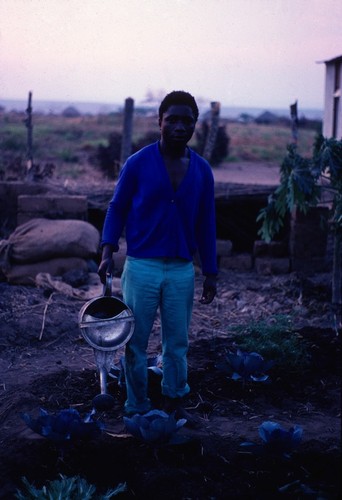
109, 156
148, 138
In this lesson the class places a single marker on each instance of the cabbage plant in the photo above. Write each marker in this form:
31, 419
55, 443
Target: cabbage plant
155, 365
67, 488
117, 371
66, 425
246, 366
155, 427
276, 440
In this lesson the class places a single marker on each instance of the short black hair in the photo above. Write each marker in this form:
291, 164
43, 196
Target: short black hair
178, 97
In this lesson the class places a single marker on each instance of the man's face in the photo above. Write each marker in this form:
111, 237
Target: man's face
177, 125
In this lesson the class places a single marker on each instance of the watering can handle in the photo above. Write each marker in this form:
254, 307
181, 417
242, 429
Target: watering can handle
107, 288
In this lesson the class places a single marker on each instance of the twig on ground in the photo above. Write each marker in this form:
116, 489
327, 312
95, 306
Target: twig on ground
44, 316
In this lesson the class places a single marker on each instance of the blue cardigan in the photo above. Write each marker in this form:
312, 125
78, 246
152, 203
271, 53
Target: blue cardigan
159, 221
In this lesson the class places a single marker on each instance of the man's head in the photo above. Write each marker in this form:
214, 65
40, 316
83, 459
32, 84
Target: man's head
178, 97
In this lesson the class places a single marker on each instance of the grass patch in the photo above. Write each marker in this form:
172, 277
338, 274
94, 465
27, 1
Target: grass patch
253, 142
274, 339
13, 139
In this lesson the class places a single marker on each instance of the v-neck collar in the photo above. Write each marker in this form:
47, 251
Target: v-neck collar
175, 191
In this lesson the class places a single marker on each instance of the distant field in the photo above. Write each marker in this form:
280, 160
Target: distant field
252, 142
71, 143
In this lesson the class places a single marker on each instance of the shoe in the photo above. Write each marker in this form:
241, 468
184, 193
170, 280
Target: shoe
174, 405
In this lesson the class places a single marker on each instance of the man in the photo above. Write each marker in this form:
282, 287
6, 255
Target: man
164, 198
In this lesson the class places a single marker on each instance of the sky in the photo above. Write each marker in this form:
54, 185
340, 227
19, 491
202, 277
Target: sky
253, 53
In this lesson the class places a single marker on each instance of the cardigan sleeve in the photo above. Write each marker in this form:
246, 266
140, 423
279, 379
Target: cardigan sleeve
119, 207
206, 227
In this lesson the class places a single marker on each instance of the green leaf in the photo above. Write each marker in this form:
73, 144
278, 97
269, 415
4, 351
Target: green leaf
67, 488
301, 185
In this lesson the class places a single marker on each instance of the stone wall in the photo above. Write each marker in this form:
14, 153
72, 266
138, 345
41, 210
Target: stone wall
305, 250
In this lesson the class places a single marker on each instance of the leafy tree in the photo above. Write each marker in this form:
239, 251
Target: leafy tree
303, 181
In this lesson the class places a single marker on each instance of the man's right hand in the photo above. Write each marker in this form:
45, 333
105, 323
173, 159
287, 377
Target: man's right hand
106, 264
104, 267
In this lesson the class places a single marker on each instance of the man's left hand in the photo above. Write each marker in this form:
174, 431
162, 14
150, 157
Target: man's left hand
209, 290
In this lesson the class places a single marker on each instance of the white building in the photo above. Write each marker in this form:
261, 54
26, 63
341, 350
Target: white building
332, 120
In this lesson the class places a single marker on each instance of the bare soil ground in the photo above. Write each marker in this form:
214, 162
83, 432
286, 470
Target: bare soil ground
46, 363
251, 173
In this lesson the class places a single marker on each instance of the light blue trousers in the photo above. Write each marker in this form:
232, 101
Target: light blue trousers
148, 284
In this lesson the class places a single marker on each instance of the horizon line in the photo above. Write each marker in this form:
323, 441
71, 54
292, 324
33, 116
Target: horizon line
147, 104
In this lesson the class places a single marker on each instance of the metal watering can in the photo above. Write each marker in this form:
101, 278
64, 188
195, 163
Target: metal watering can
107, 324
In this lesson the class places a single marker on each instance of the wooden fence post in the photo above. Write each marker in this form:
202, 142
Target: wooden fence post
213, 128
126, 145
29, 126
294, 122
